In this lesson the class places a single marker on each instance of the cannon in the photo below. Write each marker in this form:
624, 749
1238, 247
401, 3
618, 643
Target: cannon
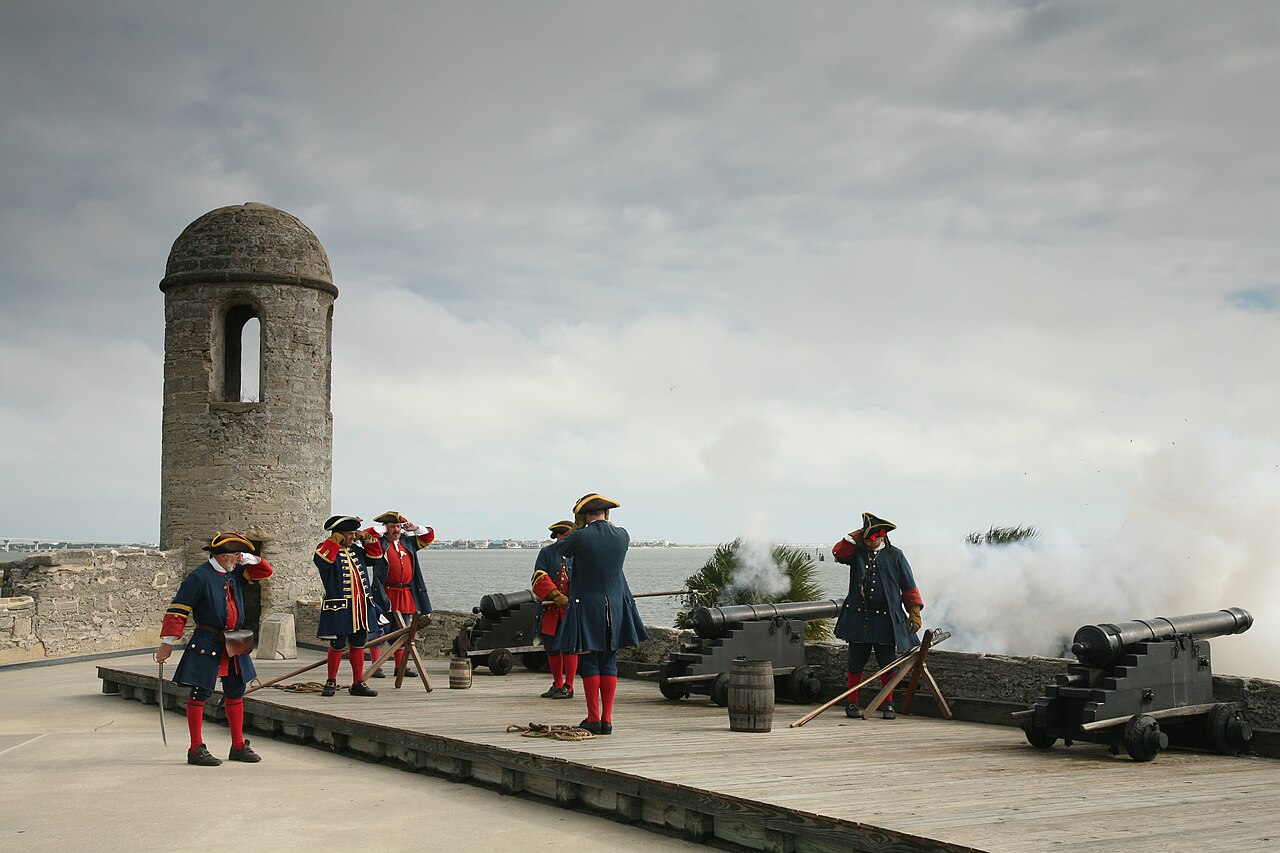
506, 626
772, 632
1142, 686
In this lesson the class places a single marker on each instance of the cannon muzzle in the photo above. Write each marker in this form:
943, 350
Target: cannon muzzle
1098, 645
711, 622
498, 604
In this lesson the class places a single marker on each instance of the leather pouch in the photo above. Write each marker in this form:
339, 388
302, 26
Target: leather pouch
238, 642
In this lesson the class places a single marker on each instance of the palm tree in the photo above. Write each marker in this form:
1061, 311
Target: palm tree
725, 579
997, 536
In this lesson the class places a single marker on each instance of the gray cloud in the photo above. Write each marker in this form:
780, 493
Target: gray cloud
969, 262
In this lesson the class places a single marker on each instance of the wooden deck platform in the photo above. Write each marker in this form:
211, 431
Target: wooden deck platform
914, 784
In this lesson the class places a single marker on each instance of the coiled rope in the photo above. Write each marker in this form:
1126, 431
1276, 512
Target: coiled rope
555, 732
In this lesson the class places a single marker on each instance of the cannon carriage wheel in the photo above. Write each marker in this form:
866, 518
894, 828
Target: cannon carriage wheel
1037, 736
720, 690
802, 686
1143, 739
534, 661
500, 661
1228, 731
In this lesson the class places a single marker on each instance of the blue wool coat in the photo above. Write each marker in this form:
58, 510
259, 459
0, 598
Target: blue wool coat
343, 612
417, 584
203, 596
602, 614
895, 576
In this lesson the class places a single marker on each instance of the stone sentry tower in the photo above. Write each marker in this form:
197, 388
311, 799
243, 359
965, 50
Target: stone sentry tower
228, 463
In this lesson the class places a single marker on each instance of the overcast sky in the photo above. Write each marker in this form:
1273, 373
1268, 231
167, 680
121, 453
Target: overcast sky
745, 267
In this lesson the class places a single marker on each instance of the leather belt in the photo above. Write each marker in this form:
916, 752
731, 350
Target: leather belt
398, 586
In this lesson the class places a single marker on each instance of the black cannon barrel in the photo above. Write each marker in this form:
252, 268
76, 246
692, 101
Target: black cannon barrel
499, 604
1098, 645
711, 622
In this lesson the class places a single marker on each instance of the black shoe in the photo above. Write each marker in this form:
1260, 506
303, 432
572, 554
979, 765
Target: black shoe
330, 688
244, 753
201, 757
410, 672
606, 727
361, 688
551, 692
562, 693
887, 712
852, 710
378, 673
594, 728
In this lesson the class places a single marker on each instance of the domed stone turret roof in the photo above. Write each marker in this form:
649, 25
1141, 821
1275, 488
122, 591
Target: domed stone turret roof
248, 242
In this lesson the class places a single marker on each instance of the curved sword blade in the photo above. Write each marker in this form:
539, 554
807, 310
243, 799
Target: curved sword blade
160, 701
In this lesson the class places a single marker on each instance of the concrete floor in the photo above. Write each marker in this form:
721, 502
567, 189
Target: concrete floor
81, 770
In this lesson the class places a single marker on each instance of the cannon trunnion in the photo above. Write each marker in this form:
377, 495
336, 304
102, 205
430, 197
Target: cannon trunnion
506, 625
772, 632
1142, 686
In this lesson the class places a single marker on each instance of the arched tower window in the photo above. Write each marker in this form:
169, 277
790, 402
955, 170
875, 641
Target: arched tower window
242, 355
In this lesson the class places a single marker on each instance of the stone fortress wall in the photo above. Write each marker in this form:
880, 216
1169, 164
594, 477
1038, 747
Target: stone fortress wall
80, 602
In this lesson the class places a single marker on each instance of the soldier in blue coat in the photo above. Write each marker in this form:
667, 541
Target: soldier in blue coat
353, 600
601, 617
212, 595
881, 613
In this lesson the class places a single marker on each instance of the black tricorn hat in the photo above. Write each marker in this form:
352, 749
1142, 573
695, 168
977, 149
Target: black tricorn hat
874, 524
592, 502
390, 517
229, 543
343, 523
561, 526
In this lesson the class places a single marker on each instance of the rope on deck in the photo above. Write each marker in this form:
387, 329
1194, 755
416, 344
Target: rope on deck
555, 732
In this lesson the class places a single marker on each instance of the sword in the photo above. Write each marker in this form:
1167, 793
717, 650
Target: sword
160, 701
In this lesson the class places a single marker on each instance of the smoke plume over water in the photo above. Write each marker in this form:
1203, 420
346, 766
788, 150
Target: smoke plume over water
1202, 534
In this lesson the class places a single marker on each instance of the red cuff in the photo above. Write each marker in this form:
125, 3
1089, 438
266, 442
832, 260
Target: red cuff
172, 626
328, 550
843, 548
911, 598
373, 548
425, 539
258, 571
543, 586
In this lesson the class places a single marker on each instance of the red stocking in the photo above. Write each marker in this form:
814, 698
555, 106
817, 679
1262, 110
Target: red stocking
608, 687
356, 656
335, 658
556, 663
851, 679
195, 719
399, 656
591, 686
570, 663
235, 719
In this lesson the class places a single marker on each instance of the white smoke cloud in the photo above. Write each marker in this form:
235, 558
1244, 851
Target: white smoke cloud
1201, 535
757, 570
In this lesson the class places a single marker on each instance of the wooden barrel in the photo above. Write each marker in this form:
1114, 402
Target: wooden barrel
459, 673
751, 696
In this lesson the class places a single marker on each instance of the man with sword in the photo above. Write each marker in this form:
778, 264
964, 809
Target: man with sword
212, 594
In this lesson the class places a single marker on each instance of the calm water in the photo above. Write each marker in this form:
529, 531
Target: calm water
457, 578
